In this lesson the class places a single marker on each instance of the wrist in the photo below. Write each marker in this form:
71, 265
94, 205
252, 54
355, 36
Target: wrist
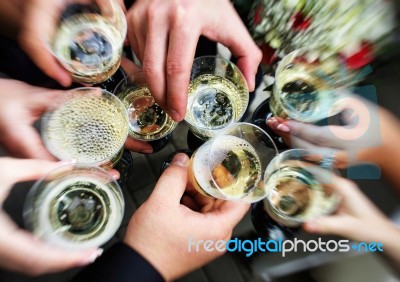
153, 257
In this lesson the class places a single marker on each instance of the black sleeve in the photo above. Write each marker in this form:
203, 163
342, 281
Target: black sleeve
120, 263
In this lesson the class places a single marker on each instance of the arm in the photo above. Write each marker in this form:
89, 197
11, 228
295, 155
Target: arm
119, 263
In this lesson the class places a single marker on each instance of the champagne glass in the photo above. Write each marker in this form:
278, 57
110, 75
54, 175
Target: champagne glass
307, 88
298, 185
76, 207
217, 96
88, 40
231, 165
147, 121
88, 125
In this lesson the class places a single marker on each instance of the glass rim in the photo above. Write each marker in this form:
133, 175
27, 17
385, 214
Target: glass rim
66, 169
220, 135
46, 116
61, 172
48, 43
240, 116
336, 197
334, 89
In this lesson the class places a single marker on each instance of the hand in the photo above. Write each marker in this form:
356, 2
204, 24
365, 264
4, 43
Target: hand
164, 35
357, 140
20, 250
39, 23
20, 106
356, 218
161, 228
359, 220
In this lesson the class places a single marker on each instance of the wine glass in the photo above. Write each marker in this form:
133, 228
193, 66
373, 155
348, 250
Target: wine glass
298, 186
217, 96
307, 88
147, 121
88, 40
231, 165
88, 125
77, 207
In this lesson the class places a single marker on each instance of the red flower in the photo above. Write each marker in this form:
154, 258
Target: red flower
257, 15
269, 54
299, 22
361, 58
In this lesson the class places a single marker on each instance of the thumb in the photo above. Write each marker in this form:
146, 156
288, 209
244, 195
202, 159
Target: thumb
14, 170
172, 183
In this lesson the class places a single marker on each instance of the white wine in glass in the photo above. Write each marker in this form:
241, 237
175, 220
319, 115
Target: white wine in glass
299, 188
88, 41
147, 120
88, 125
231, 165
75, 207
218, 96
305, 90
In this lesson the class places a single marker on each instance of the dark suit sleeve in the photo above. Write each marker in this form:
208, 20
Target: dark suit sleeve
120, 263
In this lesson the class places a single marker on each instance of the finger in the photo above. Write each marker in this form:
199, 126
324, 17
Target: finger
138, 146
136, 36
318, 135
114, 174
334, 225
29, 146
172, 183
38, 28
15, 170
190, 203
276, 127
26, 254
181, 50
154, 58
129, 66
229, 213
238, 40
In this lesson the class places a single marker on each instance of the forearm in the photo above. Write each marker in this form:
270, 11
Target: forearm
387, 154
391, 247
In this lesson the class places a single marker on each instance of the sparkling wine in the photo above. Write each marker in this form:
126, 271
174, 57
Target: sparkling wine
213, 103
295, 195
90, 46
146, 118
77, 211
233, 172
301, 96
88, 129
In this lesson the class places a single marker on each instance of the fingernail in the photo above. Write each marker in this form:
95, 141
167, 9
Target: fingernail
312, 226
115, 176
180, 160
283, 127
148, 151
273, 122
95, 255
174, 115
68, 162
